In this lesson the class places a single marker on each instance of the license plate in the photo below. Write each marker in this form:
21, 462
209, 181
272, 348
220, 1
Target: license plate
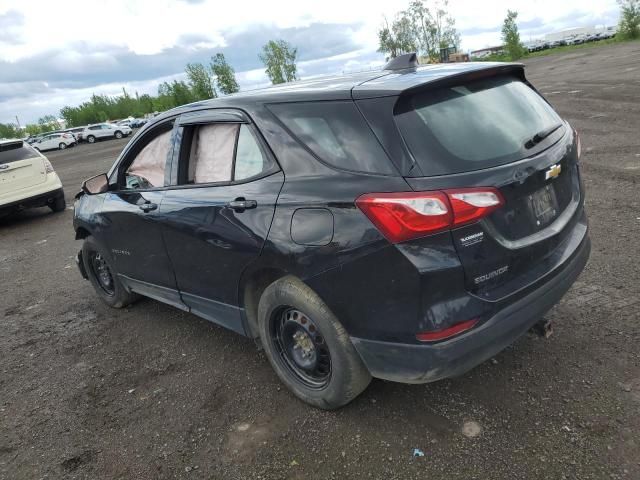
544, 206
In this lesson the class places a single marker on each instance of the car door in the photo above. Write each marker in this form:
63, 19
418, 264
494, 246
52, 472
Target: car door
46, 143
217, 214
131, 220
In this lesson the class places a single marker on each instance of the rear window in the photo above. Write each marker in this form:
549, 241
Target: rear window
336, 133
476, 125
15, 151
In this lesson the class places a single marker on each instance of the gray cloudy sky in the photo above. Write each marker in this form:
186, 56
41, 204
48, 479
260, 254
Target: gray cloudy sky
51, 56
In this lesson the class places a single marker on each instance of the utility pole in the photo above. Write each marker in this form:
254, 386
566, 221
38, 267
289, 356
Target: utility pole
18, 122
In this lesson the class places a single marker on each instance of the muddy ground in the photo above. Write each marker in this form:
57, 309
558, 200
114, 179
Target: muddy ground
151, 392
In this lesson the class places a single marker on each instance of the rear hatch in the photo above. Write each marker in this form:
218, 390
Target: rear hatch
498, 132
20, 167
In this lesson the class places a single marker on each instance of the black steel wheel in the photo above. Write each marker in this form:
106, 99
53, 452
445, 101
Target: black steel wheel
308, 347
301, 347
103, 277
102, 273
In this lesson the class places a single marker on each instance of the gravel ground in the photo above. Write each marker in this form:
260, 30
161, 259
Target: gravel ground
152, 392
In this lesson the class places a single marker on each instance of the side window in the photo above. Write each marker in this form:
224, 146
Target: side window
221, 152
250, 159
147, 168
337, 133
211, 153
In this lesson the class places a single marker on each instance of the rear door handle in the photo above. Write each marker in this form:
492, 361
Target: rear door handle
147, 207
240, 204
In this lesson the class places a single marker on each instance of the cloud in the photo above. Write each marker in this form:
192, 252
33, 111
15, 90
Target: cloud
84, 65
11, 24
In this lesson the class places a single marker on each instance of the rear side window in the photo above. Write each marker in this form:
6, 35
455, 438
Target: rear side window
336, 133
221, 153
476, 125
15, 151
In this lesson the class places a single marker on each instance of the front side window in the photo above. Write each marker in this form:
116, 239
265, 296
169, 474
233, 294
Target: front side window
147, 168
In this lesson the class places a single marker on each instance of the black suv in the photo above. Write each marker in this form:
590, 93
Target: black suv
405, 224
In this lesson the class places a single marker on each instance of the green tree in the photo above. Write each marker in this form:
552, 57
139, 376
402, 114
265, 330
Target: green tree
200, 81
279, 59
48, 123
225, 75
9, 130
511, 36
424, 27
629, 27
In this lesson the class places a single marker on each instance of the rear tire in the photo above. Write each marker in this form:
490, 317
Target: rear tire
103, 277
297, 330
118, 135
59, 205
62, 146
91, 139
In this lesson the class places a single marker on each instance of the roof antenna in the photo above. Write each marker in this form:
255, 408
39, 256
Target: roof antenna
408, 60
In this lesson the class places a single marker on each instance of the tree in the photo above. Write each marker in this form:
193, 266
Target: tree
9, 130
279, 58
511, 36
629, 27
200, 81
225, 75
420, 28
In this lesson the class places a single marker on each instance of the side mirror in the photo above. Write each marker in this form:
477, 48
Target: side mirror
96, 185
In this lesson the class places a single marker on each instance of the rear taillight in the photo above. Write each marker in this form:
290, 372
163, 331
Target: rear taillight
471, 204
407, 215
47, 166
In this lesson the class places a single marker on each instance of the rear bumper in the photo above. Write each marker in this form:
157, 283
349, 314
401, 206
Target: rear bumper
411, 363
34, 200
50, 188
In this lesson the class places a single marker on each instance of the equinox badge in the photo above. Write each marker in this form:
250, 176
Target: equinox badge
553, 172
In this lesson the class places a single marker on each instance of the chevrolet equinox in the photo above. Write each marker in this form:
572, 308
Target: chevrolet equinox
406, 224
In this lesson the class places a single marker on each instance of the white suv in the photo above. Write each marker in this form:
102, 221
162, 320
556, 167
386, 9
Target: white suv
105, 130
54, 141
27, 179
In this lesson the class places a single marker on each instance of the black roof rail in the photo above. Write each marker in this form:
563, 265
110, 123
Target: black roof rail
408, 60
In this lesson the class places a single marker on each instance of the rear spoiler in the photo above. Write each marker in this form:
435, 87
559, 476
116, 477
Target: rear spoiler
410, 81
11, 145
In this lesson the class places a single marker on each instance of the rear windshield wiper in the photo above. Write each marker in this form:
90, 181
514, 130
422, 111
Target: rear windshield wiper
538, 137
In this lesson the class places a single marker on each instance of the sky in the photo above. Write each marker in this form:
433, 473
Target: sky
53, 55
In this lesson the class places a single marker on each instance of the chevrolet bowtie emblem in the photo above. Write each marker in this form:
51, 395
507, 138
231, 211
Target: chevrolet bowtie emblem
553, 172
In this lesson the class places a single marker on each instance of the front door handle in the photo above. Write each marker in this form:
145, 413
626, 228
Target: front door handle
241, 204
147, 207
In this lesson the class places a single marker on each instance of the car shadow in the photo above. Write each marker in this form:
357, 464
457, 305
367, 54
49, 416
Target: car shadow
25, 217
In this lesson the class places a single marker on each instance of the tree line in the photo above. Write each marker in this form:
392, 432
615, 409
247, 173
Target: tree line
202, 82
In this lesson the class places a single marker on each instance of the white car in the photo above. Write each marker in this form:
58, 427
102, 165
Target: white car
105, 130
54, 141
27, 179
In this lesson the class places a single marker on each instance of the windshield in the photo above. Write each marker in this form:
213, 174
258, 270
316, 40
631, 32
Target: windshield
475, 125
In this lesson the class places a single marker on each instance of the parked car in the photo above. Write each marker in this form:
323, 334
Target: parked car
389, 224
76, 132
27, 179
55, 141
92, 133
124, 123
137, 122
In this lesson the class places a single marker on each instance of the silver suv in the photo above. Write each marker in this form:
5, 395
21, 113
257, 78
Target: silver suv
105, 130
